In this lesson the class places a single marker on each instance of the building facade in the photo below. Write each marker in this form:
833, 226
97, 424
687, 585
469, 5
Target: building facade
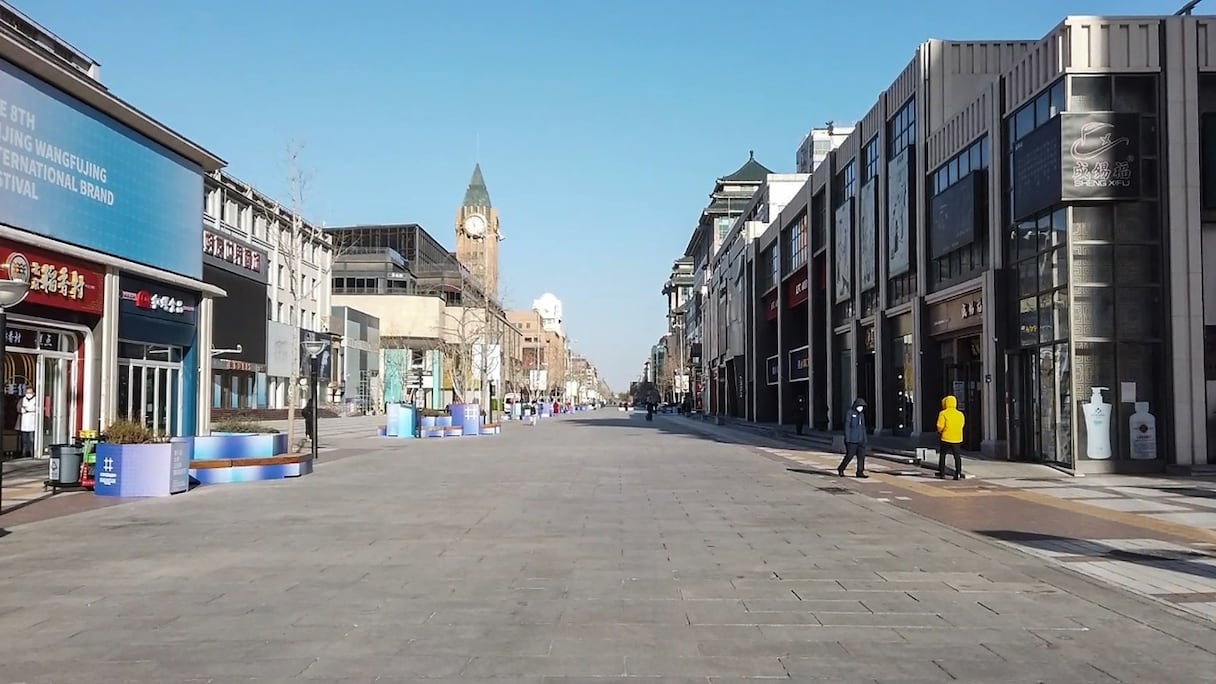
432, 327
1020, 224
729, 198
96, 203
357, 363
545, 349
277, 266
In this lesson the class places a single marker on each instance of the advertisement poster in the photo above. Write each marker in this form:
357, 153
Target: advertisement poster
867, 236
899, 251
844, 252
77, 175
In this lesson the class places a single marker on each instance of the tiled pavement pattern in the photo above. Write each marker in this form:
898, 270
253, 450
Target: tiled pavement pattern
591, 549
1177, 564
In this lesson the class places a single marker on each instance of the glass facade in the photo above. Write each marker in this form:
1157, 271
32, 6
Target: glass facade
1087, 314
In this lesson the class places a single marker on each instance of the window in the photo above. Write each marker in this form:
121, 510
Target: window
280, 279
973, 158
901, 129
846, 182
1037, 112
797, 242
869, 158
279, 316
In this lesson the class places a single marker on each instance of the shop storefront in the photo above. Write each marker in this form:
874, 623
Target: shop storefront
156, 331
956, 330
901, 378
239, 379
48, 339
1086, 370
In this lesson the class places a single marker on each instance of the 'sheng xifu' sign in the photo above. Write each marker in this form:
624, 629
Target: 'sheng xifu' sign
1100, 155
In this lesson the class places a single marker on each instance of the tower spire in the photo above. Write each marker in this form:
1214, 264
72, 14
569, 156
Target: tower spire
477, 195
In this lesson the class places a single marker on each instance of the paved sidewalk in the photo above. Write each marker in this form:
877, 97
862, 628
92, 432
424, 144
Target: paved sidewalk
1151, 535
589, 549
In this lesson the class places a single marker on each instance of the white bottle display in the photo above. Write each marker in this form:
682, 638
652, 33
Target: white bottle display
1143, 430
1097, 425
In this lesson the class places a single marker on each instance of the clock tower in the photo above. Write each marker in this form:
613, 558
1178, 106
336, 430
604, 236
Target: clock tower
477, 235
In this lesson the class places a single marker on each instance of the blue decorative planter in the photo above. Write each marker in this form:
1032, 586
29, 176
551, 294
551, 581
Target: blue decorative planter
221, 458
143, 469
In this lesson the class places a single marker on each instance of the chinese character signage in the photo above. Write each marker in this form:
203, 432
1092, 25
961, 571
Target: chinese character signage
56, 281
797, 288
234, 255
75, 174
148, 299
800, 364
1101, 156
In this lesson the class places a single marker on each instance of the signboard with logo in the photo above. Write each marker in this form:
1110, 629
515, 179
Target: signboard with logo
75, 174
56, 281
1100, 152
800, 364
156, 313
954, 215
235, 256
797, 288
772, 369
960, 313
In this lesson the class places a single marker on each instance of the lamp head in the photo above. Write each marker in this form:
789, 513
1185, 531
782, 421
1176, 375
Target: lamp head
12, 291
313, 347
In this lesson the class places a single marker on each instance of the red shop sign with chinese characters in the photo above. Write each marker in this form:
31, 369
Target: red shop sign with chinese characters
55, 280
796, 290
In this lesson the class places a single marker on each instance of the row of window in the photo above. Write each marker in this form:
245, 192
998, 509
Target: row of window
973, 158
243, 219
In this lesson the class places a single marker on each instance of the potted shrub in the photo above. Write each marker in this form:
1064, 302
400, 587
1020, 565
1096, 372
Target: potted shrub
133, 460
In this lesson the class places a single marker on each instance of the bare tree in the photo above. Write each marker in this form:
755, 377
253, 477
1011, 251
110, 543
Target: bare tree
303, 243
474, 342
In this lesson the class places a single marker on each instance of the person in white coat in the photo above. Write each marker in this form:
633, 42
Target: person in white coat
27, 422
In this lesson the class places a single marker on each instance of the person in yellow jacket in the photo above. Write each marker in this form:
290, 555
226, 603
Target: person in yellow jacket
950, 424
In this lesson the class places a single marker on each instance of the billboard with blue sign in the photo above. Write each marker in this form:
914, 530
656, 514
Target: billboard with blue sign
72, 173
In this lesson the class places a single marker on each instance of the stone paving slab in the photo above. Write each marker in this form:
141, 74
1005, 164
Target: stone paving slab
591, 548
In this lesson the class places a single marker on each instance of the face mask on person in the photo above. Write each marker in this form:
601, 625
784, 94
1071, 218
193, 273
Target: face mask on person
29, 394
860, 409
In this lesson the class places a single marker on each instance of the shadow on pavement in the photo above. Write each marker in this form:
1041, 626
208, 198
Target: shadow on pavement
3, 533
1178, 560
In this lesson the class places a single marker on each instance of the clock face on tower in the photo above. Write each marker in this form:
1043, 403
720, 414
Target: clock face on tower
475, 226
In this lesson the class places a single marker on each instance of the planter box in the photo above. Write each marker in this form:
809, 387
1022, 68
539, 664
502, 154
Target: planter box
221, 458
131, 470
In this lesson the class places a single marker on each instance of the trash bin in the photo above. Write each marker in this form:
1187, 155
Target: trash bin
65, 465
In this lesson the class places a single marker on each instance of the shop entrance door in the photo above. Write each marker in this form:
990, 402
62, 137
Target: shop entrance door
149, 393
57, 386
963, 381
866, 382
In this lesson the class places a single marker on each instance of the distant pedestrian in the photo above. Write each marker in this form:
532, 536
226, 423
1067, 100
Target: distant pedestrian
855, 438
310, 418
950, 424
800, 412
27, 421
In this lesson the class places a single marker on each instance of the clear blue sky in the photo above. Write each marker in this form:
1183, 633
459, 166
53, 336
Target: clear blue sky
603, 124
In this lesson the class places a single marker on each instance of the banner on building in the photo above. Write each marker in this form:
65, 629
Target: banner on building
843, 255
867, 236
772, 367
899, 214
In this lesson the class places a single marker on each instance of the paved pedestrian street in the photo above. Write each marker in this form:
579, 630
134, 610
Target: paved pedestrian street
591, 548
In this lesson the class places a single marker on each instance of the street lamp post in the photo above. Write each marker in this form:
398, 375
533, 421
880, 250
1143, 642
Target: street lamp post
12, 292
313, 348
